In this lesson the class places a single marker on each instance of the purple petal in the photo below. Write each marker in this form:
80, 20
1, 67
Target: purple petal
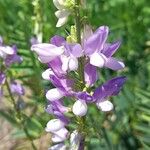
17, 88
84, 96
57, 40
74, 49
91, 45
90, 74
62, 84
110, 49
56, 66
96, 41
61, 117
10, 59
111, 87
47, 51
114, 64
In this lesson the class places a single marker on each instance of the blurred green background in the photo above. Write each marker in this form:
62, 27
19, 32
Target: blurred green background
128, 126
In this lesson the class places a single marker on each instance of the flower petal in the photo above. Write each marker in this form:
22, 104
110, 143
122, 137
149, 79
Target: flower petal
62, 13
61, 21
45, 49
73, 64
59, 4
65, 63
46, 74
114, 64
60, 146
57, 40
90, 74
105, 105
79, 108
110, 88
7, 50
75, 139
74, 49
54, 94
62, 133
54, 125
97, 60
110, 49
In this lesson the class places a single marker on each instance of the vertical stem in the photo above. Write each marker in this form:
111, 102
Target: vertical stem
80, 70
19, 116
78, 33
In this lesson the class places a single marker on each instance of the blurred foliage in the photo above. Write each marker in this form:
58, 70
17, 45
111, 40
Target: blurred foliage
127, 127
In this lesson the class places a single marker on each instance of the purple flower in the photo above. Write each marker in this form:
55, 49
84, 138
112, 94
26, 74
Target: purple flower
9, 54
110, 88
17, 88
47, 52
14, 58
100, 52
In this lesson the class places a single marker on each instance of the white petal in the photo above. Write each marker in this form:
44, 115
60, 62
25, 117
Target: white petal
55, 138
105, 105
75, 138
65, 61
79, 108
62, 133
59, 146
61, 21
62, 13
2, 54
46, 74
54, 94
54, 125
97, 60
45, 49
73, 64
59, 4
44, 59
7, 50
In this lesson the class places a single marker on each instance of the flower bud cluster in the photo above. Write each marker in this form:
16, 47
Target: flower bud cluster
63, 59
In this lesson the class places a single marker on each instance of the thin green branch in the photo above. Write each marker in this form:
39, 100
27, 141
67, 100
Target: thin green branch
19, 116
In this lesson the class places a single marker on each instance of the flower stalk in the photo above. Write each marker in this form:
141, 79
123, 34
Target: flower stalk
19, 115
80, 70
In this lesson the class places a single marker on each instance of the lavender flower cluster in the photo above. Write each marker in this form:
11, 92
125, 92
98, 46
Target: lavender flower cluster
63, 59
8, 56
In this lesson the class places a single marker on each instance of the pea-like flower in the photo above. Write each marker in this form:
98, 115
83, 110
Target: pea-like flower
63, 11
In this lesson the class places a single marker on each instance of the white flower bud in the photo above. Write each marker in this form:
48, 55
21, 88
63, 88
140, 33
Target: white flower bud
54, 94
79, 108
105, 105
54, 125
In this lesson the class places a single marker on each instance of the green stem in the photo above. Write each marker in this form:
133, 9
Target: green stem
78, 33
19, 116
81, 127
